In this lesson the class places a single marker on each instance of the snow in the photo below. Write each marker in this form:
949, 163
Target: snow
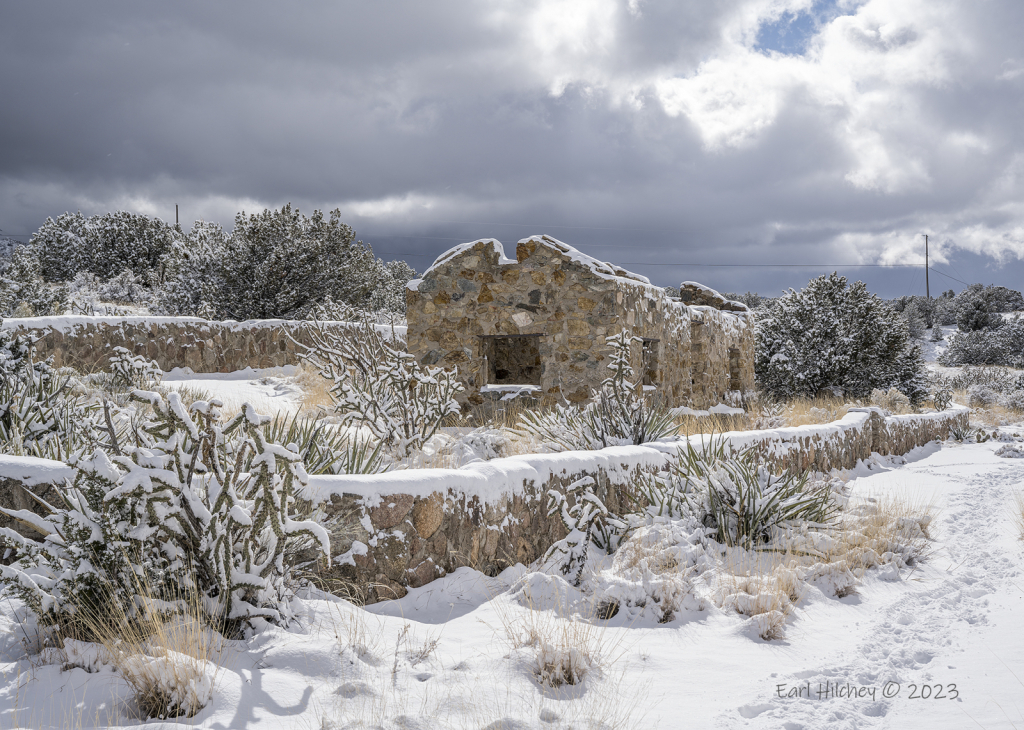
268, 390
441, 657
33, 472
603, 269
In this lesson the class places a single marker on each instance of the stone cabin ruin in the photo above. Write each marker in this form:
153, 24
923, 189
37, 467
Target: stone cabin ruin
537, 324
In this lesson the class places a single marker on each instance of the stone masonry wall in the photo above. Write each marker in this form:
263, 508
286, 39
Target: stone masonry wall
87, 343
400, 530
403, 529
573, 302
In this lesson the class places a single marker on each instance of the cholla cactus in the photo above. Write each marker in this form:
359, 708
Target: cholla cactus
379, 385
194, 507
134, 371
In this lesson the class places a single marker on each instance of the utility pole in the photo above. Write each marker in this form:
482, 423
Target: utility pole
178, 225
927, 290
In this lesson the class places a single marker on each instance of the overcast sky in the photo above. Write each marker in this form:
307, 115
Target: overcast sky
659, 135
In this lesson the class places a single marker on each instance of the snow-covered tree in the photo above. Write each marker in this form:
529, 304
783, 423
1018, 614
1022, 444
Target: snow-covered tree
104, 244
194, 269
281, 263
388, 293
915, 320
978, 308
831, 336
22, 290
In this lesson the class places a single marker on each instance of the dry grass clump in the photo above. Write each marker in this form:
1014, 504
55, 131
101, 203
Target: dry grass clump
880, 531
316, 389
812, 411
563, 642
1018, 513
764, 586
165, 653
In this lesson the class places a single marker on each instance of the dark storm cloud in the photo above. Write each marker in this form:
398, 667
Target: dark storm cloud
650, 133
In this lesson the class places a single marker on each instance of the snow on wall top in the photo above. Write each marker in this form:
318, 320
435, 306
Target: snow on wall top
32, 472
603, 269
490, 481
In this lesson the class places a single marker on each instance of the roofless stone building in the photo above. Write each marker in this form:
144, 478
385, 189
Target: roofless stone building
538, 323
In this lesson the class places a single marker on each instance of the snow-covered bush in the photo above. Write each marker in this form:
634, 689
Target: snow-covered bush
937, 334
915, 320
104, 244
194, 273
978, 306
133, 371
892, 400
195, 508
980, 396
379, 385
743, 502
326, 449
618, 413
1001, 346
280, 263
42, 412
831, 336
22, 290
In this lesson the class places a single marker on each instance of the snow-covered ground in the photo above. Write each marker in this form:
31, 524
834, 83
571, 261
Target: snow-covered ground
442, 657
269, 390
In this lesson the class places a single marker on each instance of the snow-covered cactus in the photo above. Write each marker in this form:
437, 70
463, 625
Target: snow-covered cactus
195, 507
586, 520
133, 371
379, 385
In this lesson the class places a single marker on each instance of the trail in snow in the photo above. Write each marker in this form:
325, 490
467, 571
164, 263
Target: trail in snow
939, 627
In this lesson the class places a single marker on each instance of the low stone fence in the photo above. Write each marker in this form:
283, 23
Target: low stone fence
403, 529
206, 346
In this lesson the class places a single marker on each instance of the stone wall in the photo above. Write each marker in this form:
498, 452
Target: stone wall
473, 294
402, 529
87, 343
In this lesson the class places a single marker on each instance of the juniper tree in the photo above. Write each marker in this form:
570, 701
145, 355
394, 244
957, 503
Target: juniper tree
831, 336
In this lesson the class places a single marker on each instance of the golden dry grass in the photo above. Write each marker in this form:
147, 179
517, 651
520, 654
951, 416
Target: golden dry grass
1017, 513
316, 389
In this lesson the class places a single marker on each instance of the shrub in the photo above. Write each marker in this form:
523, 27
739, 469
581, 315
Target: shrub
195, 508
618, 413
22, 291
379, 385
280, 263
831, 336
1001, 346
133, 371
980, 396
891, 400
743, 502
105, 244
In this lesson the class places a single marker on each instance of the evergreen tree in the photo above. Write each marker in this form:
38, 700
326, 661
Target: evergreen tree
104, 245
281, 264
831, 336
22, 290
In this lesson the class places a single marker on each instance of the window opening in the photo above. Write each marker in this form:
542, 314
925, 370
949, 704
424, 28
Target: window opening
512, 359
650, 361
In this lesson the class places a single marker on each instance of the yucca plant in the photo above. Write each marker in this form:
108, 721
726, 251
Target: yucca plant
744, 503
327, 450
618, 413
